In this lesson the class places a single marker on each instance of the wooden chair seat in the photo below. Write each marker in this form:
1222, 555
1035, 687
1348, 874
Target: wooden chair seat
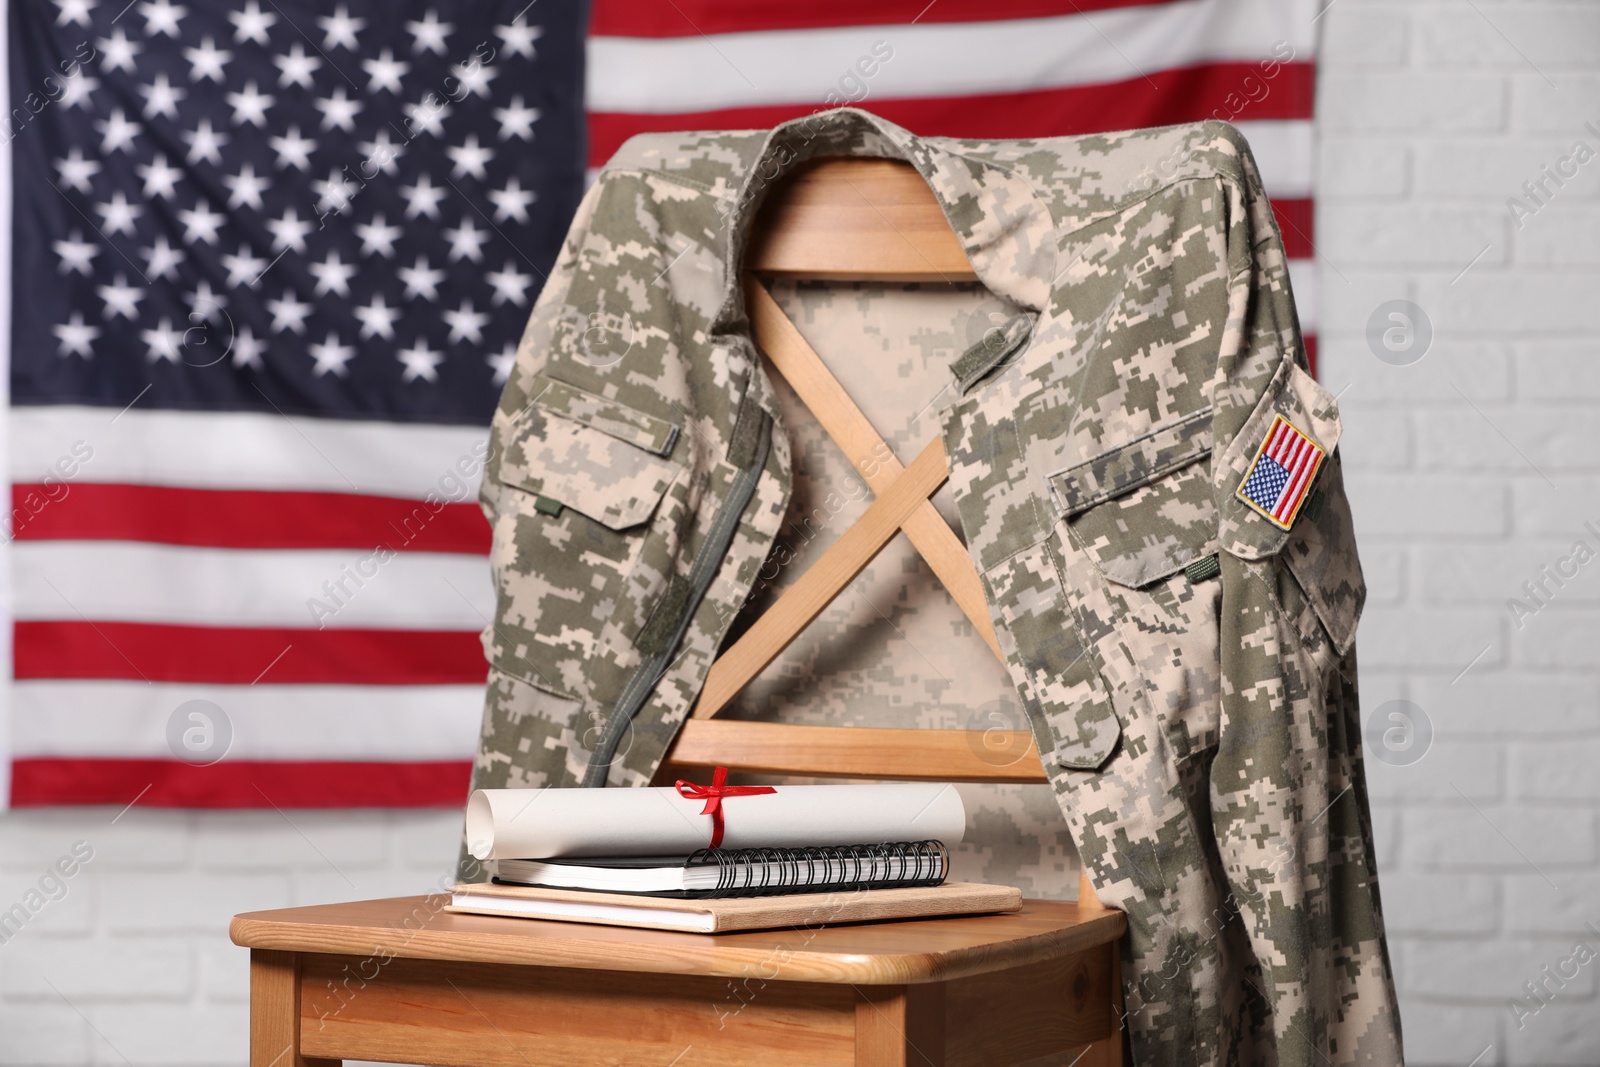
402, 980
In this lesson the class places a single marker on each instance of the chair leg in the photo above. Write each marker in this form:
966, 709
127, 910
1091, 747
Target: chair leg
900, 1026
1107, 1052
275, 1011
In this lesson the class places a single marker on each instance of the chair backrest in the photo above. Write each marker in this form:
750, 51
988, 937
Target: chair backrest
851, 220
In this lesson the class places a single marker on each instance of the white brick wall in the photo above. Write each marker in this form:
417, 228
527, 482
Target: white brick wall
132, 965
1469, 471
1489, 845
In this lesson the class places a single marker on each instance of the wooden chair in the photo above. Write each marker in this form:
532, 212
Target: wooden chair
403, 981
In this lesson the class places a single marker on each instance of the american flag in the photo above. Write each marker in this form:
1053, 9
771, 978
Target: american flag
270, 259
270, 263
1278, 479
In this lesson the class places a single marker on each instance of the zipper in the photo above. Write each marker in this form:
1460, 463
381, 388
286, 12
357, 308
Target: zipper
703, 570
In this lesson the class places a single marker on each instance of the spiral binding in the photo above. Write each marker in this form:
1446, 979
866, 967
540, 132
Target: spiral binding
747, 872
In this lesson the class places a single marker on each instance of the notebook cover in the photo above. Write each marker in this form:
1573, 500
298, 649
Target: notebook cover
725, 915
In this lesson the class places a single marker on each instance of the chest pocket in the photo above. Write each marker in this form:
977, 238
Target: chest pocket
583, 540
1139, 525
1144, 509
1129, 518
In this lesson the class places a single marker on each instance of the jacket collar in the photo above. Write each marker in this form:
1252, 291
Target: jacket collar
1003, 222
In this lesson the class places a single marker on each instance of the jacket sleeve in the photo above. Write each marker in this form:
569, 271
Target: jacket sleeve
1288, 795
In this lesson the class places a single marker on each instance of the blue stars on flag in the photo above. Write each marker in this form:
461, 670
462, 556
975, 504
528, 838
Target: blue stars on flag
1266, 482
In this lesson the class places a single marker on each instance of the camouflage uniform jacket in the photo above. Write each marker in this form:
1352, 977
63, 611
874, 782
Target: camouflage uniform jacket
1187, 664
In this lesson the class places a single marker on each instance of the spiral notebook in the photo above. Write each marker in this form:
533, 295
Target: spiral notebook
745, 872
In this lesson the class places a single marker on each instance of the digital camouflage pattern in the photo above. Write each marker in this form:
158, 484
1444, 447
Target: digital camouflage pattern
1187, 668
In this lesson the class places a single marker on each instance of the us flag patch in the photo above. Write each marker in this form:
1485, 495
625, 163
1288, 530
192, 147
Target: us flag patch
1281, 475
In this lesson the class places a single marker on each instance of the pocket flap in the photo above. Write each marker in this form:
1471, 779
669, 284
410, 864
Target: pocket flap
608, 416
1069, 705
593, 472
1126, 467
1143, 509
1294, 396
1321, 553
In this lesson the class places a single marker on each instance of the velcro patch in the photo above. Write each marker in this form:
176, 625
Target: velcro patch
1280, 476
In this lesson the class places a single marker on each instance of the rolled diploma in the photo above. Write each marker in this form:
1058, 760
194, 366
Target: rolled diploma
542, 823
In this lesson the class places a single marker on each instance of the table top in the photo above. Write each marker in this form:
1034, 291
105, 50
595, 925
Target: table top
877, 953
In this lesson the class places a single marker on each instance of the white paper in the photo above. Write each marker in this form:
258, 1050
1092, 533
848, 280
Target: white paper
547, 823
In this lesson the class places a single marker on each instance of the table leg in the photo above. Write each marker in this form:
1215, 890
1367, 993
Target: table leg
275, 1011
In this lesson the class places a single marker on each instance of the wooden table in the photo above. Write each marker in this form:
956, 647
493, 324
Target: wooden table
402, 980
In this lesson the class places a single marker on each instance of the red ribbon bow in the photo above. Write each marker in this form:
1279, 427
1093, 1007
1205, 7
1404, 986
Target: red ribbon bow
713, 795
